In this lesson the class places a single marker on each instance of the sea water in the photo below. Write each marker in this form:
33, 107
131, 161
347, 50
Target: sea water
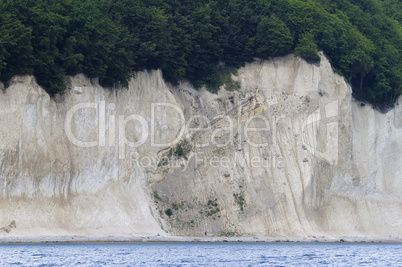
201, 254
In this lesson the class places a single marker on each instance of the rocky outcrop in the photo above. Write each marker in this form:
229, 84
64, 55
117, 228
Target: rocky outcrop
288, 154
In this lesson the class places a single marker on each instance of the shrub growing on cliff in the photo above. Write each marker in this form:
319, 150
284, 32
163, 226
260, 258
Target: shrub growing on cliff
239, 200
169, 212
307, 49
182, 149
156, 196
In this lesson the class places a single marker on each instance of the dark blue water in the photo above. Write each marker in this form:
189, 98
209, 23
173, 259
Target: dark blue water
202, 254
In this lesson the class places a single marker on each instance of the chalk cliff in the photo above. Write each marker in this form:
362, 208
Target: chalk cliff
288, 154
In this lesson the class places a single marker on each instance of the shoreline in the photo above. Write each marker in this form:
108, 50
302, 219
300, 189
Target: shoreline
181, 239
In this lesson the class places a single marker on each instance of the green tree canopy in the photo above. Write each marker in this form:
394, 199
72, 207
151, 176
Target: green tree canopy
111, 39
307, 49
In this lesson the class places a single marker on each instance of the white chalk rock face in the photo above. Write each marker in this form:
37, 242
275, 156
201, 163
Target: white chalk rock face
62, 170
287, 154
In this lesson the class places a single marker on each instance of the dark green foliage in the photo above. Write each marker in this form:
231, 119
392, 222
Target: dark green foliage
182, 149
169, 212
393, 9
156, 196
163, 162
179, 150
239, 200
212, 203
223, 76
111, 40
273, 38
307, 49
212, 208
211, 212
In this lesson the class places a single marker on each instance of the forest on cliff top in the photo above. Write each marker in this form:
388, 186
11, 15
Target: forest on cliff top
194, 39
